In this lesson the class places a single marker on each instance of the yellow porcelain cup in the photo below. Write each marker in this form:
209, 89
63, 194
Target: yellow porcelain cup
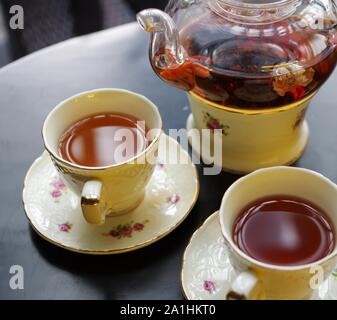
258, 280
115, 189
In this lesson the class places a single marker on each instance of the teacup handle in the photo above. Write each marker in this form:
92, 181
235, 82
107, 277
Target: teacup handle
92, 202
246, 286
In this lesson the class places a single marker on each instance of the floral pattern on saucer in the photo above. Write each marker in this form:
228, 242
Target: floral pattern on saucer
65, 227
126, 230
160, 164
175, 198
207, 271
209, 286
55, 212
58, 189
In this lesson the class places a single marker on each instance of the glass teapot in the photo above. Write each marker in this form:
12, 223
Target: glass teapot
244, 54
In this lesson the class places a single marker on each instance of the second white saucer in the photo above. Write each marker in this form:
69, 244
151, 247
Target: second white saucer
207, 272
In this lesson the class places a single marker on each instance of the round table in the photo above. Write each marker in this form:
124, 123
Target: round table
29, 89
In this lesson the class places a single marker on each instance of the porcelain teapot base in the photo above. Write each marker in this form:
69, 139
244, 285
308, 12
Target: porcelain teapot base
248, 139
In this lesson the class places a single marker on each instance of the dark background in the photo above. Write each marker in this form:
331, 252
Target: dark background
50, 21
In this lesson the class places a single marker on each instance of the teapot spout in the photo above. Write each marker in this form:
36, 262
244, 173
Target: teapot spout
165, 48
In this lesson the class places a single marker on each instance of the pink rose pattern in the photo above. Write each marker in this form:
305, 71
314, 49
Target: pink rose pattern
58, 184
126, 230
65, 227
160, 164
213, 123
58, 187
209, 286
56, 193
175, 198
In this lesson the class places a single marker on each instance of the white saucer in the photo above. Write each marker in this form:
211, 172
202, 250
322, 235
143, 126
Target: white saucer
206, 271
54, 211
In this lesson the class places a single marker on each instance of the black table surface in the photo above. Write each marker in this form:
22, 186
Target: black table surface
29, 89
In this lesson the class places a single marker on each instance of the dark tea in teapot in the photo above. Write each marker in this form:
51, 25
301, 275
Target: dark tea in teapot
246, 54
246, 72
